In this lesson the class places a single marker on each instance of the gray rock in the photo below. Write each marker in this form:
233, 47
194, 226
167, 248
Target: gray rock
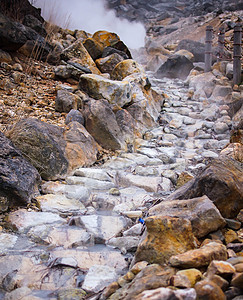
32, 22
220, 127
66, 101
196, 48
19, 180
14, 35
7, 241
135, 230
176, 66
74, 115
80, 193
108, 63
129, 243
215, 181
43, 145
102, 125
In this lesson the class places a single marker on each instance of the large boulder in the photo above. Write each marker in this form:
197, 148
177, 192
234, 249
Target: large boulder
201, 257
81, 149
71, 70
100, 121
115, 92
43, 145
202, 213
202, 84
77, 53
126, 68
146, 103
196, 48
165, 236
14, 35
19, 9
176, 66
221, 181
35, 24
19, 180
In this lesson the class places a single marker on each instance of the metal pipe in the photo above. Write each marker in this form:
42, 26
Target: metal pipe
237, 54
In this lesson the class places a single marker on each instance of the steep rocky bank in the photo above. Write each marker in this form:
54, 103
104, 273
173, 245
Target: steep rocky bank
119, 179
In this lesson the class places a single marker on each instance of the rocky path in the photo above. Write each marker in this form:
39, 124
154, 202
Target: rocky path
82, 232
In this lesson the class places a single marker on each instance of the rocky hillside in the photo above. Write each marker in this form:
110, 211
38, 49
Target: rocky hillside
157, 10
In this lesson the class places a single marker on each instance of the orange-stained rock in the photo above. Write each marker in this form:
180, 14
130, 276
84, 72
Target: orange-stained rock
126, 68
138, 267
222, 268
165, 236
151, 277
233, 150
237, 280
106, 38
98, 87
239, 267
199, 257
203, 214
207, 289
186, 278
230, 236
220, 281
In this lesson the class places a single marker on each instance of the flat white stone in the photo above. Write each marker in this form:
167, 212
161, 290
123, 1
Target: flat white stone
149, 185
99, 255
23, 219
98, 174
118, 163
59, 204
135, 230
70, 191
138, 158
103, 227
90, 183
146, 171
129, 243
150, 152
98, 277
7, 241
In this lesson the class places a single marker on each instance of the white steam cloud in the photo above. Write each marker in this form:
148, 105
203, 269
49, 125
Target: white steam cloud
91, 16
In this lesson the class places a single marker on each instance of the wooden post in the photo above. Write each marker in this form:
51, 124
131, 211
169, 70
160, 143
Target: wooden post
221, 44
208, 48
237, 54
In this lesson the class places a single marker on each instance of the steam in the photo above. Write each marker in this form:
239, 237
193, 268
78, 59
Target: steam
91, 16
